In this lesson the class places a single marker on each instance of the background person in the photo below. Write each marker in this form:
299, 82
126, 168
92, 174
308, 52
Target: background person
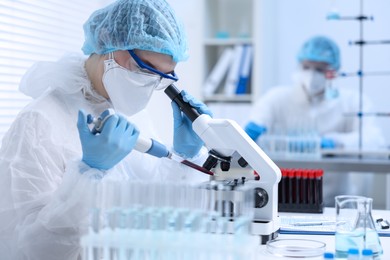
312, 103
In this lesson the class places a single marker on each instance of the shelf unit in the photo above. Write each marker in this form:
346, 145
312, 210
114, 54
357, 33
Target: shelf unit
228, 23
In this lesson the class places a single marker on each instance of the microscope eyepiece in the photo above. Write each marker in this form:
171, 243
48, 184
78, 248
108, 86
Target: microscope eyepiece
174, 94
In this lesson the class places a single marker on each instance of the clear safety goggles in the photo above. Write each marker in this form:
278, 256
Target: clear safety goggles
165, 79
320, 69
328, 72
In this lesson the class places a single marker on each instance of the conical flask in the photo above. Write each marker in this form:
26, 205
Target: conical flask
355, 226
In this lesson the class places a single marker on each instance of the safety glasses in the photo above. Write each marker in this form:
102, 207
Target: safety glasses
318, 68
165, 79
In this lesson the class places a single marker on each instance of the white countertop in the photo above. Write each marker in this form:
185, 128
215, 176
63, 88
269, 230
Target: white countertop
329, 240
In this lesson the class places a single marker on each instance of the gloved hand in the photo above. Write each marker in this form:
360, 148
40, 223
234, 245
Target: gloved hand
104, 150
328, 143
186, 142
254, 130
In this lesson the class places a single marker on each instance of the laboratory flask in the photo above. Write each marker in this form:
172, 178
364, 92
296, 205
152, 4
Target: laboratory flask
355, 227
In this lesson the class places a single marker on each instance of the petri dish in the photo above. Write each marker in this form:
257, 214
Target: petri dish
296, 248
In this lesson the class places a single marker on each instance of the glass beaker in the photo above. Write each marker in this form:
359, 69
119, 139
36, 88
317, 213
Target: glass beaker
355, 227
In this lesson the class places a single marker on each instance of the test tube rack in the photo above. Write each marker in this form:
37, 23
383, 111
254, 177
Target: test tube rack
174, 221
300, 190
304, 145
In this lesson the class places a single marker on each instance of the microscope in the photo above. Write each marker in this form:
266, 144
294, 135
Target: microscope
223, 138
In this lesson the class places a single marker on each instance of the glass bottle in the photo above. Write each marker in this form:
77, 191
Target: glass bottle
355, 226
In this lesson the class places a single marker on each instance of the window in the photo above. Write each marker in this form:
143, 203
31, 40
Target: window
33, 31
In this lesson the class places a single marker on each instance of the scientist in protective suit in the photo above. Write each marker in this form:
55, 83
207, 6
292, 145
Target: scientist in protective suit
313, 103
49, 158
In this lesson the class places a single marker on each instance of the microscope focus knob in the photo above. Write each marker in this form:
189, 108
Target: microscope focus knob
225, 166
242, 162
261, 197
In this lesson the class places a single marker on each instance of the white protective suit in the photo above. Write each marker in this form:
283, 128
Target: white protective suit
282, 107
45, 189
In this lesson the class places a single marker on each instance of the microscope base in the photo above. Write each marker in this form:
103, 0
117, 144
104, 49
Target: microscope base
266, 230
265, 238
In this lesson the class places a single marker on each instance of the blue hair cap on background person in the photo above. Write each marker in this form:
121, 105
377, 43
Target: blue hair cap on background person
320, 49
149, 25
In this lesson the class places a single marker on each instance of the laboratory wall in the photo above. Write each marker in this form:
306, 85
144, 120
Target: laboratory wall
284, 25
289, 23
190, 13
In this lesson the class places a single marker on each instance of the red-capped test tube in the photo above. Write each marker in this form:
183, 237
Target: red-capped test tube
304, 189
291, 186
318, 183
297, 184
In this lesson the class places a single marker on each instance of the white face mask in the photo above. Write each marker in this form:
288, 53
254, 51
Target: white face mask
313, 83
129, 91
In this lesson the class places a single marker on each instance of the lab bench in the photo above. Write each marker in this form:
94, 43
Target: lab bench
337, 164
329, 240
346, 164
342, 164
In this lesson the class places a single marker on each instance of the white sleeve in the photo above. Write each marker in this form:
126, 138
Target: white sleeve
48, 195
372, 136
263, 110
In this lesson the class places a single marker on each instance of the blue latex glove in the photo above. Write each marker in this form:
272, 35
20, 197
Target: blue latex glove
328, 143
186, 142
104, 150
254, 130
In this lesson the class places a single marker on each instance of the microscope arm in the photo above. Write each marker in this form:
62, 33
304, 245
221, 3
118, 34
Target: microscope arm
226, 136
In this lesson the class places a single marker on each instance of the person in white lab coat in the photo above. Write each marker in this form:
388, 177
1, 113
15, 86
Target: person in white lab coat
312, 103
49, 163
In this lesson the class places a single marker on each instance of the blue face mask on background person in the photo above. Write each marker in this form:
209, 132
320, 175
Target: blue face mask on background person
331, 92
129, 91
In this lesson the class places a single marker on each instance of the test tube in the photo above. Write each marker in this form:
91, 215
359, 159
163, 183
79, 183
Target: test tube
220, 221
285, 186
92, 250
298, 189
293, 187
315, 188
172, 221
304, 188
319, 176
310, 188
290, 177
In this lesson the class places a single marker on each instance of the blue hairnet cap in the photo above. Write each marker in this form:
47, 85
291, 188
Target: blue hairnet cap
321, 49
136, 24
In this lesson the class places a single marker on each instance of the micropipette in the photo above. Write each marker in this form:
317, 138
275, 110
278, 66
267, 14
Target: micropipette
143, 145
